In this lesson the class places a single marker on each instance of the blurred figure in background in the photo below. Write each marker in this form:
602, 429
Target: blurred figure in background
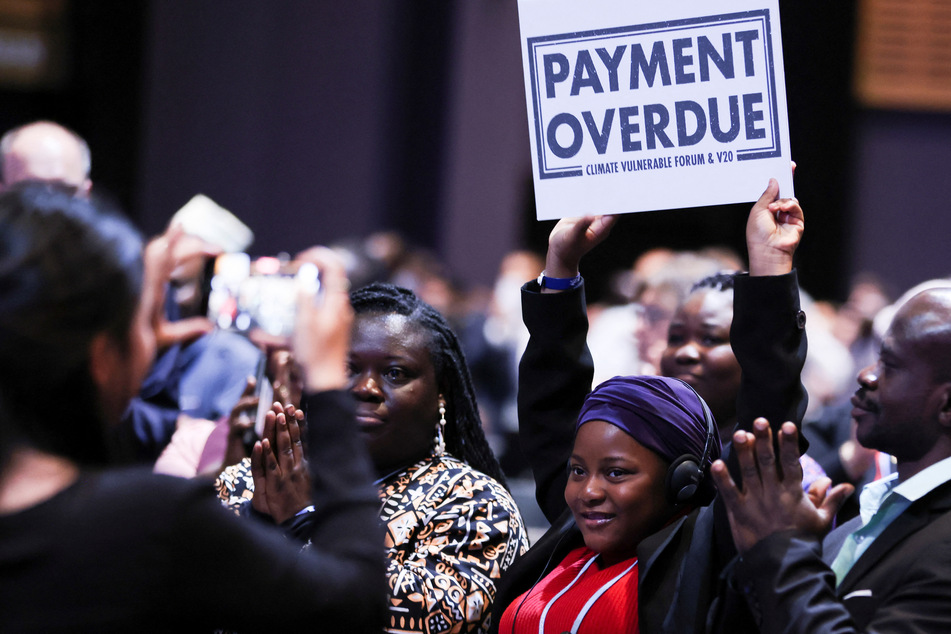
631, 338
46, 151
493, 346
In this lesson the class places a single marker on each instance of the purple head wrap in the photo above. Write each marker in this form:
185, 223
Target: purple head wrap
663, 414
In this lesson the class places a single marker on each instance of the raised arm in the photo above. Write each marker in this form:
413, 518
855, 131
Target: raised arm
571, 239
556, 369
768, 332
773, 232
768, 338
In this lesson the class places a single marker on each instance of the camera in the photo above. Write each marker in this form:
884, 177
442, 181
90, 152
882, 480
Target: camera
246, 294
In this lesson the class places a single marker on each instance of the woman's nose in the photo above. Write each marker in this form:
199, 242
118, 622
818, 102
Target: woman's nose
365, 386
592, 491
687, 353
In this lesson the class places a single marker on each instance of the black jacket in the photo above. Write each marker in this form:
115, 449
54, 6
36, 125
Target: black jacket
679, 566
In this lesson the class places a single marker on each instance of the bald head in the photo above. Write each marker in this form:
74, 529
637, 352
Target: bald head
925, 321
45, 151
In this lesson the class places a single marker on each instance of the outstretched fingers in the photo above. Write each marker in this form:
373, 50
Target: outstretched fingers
726, 487
765, 456
744, 444
789, 454
259, 476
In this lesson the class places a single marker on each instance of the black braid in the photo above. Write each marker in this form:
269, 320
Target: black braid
722, 281
465, 437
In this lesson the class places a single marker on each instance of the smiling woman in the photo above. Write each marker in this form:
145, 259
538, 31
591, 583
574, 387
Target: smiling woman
614, 490
638, 536
637, 463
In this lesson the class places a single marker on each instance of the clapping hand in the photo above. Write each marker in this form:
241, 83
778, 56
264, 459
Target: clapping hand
241, 423
772, 499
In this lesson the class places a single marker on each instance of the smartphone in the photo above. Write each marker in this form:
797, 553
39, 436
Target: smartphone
264, 392
246, 294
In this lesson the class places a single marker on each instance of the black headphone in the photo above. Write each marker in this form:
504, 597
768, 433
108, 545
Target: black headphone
686, 472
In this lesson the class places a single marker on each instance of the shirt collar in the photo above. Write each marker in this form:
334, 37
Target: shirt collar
925, 481
911, 490
873, 494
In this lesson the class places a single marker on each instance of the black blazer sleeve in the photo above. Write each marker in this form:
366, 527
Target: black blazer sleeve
769, 340
554, 376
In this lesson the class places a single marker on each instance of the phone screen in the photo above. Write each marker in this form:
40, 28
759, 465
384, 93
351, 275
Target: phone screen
265, 394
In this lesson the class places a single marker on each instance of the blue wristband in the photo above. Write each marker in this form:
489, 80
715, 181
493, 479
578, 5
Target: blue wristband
558, 283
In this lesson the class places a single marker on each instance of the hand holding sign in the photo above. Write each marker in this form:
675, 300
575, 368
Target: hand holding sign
773, 232
571, 239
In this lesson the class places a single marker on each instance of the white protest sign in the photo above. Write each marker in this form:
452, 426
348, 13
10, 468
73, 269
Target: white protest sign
637, 106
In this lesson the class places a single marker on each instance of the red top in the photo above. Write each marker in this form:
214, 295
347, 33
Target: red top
605, 600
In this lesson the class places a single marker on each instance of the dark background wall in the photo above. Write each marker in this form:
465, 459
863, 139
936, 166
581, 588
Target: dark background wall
315, 121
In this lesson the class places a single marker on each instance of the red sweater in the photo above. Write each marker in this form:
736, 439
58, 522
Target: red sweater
605, 599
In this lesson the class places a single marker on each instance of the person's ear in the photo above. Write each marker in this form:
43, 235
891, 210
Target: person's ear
105, 360
85, 189
944, 410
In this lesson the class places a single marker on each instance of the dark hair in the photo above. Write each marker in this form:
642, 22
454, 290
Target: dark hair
68, 272
465, 438
722, 281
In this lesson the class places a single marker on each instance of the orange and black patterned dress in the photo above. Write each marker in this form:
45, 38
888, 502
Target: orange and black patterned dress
451, 531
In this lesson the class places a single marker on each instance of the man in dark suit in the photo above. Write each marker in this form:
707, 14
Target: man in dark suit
890, 568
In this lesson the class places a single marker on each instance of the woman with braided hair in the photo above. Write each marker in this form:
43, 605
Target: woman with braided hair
451, 526
394, 307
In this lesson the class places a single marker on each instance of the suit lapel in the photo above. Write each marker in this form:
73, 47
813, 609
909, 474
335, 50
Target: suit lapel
915, 517
653, 546
832, 544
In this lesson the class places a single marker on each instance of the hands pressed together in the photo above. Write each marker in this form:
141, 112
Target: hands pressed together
279, 467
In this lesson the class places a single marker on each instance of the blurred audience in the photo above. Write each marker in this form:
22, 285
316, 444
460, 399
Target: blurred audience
630, 338
46, 151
